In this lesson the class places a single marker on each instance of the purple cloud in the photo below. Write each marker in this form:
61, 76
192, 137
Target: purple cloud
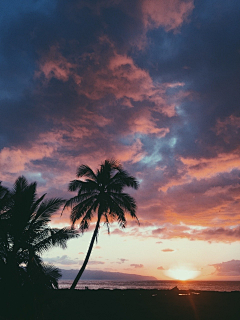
228, 268
136, 266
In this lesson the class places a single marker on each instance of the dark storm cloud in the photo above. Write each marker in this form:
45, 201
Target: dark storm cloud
73, 47
153, 83
206, 58
25, 29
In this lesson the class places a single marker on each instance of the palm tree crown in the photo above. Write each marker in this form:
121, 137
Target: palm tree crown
101, 192
25, 234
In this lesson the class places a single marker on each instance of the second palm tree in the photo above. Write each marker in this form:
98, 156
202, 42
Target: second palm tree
101, 192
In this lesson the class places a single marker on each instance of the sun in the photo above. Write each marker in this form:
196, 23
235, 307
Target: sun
182, 273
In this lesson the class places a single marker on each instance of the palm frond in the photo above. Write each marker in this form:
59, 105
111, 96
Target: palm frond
42, 275
82, 186
82, 208
84, 224
37, 203
127, 202
117, 212
20, 184
112, 164
47, 208
4, 198
56, 237
53, 274
84, 170
89, 186
124, 179
107, 223
75, 185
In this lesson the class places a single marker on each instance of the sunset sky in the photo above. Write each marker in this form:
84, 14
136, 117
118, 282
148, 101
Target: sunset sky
152, 83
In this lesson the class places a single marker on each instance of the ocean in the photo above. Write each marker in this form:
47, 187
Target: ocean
223, 286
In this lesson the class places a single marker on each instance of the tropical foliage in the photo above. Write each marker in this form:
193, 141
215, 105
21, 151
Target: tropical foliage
101, 193
25, 234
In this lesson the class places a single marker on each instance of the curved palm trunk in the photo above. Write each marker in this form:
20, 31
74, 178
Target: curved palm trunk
80, 272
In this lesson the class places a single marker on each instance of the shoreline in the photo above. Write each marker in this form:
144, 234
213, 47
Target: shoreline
220, 286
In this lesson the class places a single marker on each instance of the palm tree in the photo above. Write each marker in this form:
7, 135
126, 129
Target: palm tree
4, 198
101, 193
25, 234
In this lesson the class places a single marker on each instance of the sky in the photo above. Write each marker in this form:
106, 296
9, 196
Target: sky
154, 84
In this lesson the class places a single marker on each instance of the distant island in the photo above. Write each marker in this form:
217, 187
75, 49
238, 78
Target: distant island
104, 275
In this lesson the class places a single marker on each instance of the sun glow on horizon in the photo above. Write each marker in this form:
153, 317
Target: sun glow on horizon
182, 273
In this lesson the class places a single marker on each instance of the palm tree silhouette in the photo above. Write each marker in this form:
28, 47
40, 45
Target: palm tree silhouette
25, 234
4, 197
101, 192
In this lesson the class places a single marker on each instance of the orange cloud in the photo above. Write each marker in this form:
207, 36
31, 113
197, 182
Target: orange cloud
14, 160
143, 122
121, 78
55, 65
223, 162
117, 75
170, 14
160, 268
228, 128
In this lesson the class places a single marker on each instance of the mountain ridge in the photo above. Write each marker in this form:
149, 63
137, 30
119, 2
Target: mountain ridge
104, 275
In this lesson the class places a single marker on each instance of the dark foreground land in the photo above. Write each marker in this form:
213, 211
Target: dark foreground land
122, 304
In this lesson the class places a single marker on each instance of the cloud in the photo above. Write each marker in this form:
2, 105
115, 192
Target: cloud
54, 65
118, 231
219, 234
158, 231
15, 160
122, 260
62, 260
160, 268
66, 260
228, 268
77, 87
119, 77
210, 234
92, 262
170, 14
136, 266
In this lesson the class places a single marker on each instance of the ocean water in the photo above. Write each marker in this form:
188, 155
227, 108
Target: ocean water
223, 286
